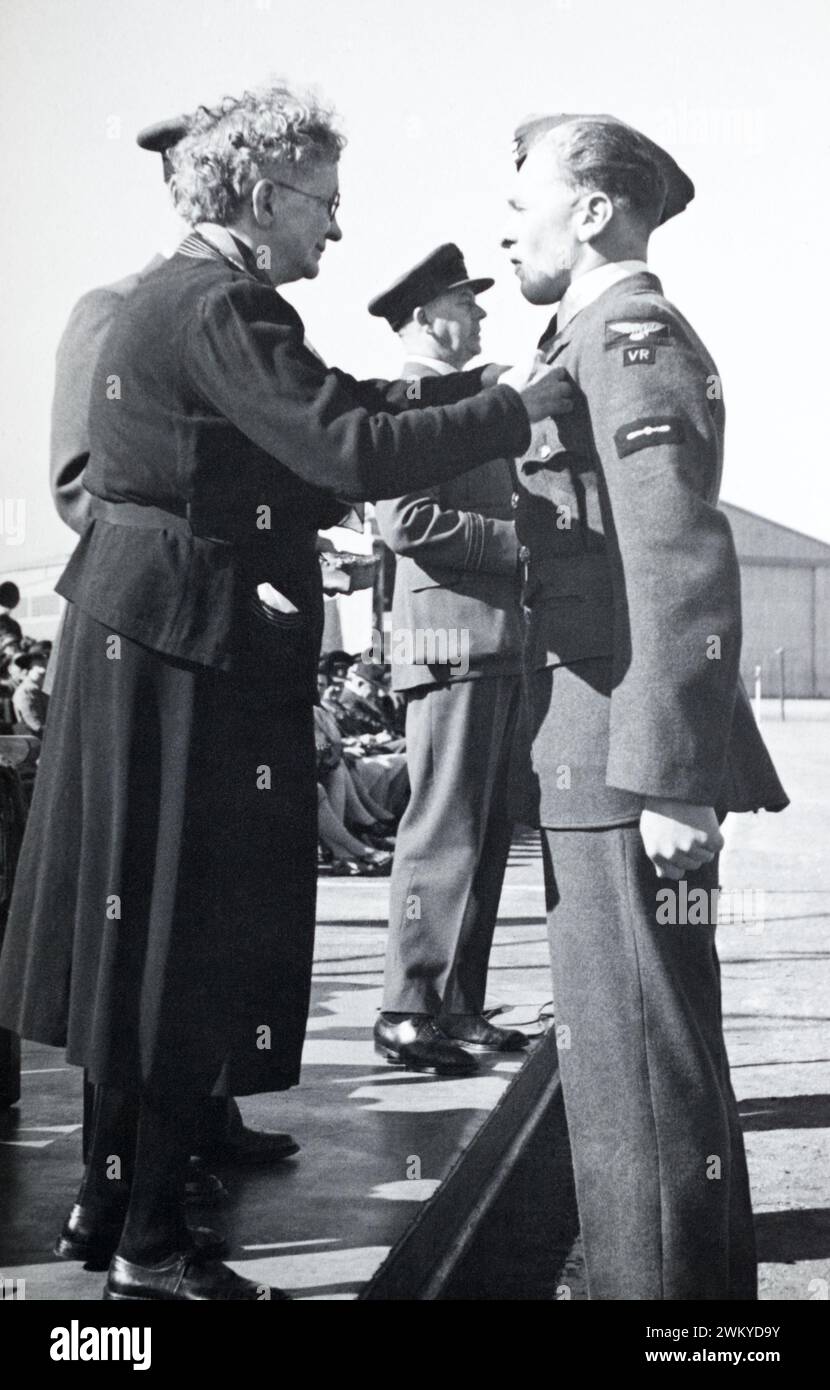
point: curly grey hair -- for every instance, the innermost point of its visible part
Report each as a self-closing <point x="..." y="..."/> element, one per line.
<point x="229" y="147"/>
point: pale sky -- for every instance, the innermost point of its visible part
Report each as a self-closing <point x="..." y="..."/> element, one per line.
<point x="429" y="95"/>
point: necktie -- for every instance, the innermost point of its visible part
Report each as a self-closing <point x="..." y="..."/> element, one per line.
<point x="548" y="336"/>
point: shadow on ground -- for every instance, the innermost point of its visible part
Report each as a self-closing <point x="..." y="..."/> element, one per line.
<point x="785" y="1237"/>
<point x="785" y="1112"/>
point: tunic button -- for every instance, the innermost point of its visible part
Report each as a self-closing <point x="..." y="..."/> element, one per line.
<point x="545" y="451"/>
<point x="514" y="501"/>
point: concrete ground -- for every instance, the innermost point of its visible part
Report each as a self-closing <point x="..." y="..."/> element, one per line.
<point x="377" y="1142"/>
<point x="775" y="959"/>
<point x="776" y="977"/>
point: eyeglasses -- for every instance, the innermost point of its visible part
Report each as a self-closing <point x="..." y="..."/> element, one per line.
<point x="330" y="204"/>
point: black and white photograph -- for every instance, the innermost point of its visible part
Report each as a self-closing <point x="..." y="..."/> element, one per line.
<point x="415" y="668"/>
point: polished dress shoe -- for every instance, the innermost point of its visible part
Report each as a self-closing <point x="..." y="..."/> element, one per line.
<point x="245" y="1147"/>
<point x="477" y="1033"/>
<point x="92" y="1239"/>
<point x="416" y="1043"/>
<point x="204" y="1189"/>
<point x="185" y="1277"/>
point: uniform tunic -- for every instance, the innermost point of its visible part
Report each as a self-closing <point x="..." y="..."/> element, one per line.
<point x="632" y="581"/>
<point x="456" y="577"/>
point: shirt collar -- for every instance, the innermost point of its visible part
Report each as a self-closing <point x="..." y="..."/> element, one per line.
<point x="442" y="368"/>
<point x="588" y="287"/>
<point x="234" y="247"/>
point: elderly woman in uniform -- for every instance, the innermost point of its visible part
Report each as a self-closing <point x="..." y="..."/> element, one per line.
<point x="156" y="932"/>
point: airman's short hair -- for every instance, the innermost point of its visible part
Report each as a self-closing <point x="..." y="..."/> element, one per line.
<point x="609" y="157"/>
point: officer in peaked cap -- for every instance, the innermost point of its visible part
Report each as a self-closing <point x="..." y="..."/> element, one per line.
<point x="457" y="573"/>
<point x="442" y="270"/>
<point x="639" y="734"/>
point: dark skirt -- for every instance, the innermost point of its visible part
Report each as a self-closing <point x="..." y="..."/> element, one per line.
<point x="162" y="923"/>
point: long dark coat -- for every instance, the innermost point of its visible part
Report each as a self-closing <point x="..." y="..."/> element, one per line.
<point x="162" y="924"/>
<point x="163" y="915"/>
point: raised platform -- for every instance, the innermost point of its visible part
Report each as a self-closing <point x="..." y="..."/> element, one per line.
<point x="396" y="1169"/>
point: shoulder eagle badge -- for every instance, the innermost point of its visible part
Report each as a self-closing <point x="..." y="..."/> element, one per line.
<point x="635" y="332"/>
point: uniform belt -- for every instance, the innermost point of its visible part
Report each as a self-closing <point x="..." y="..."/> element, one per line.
<point x="139" y="517"/>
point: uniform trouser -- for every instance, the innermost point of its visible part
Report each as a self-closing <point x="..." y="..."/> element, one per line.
<point x="452" y="846"/>
<point x="658" y="1153"/>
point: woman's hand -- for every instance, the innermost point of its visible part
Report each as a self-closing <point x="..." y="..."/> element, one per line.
<point x="548" y="392"/>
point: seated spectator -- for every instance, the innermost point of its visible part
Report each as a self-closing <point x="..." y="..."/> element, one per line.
<point x="11" y="633"/>
<point x="350" y="825"/>
<point x="40" y="649"/>
<point x="369" y="722"/>
<point x="378" y="763"/>
<point x="11" y="649"/>
<point x="9" y="596"/>
<point x="341" y="853"/>
<point x="333" y="666"/>
<point x="29" y="700"/>
<point x="368" y="705"/>
<point x="353" y="803"/>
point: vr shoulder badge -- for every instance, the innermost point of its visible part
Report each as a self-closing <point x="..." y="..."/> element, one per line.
<point x="639" y="356"/>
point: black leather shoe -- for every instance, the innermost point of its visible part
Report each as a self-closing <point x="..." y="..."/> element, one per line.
<point x="183" y="1278"/>
<point x="245" y="1147"/>
<point x="89" y="1239"/>
<point x="480" y="1035"/>
<point x="204" y="1189"/>
<point x="417" y="1044"/>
